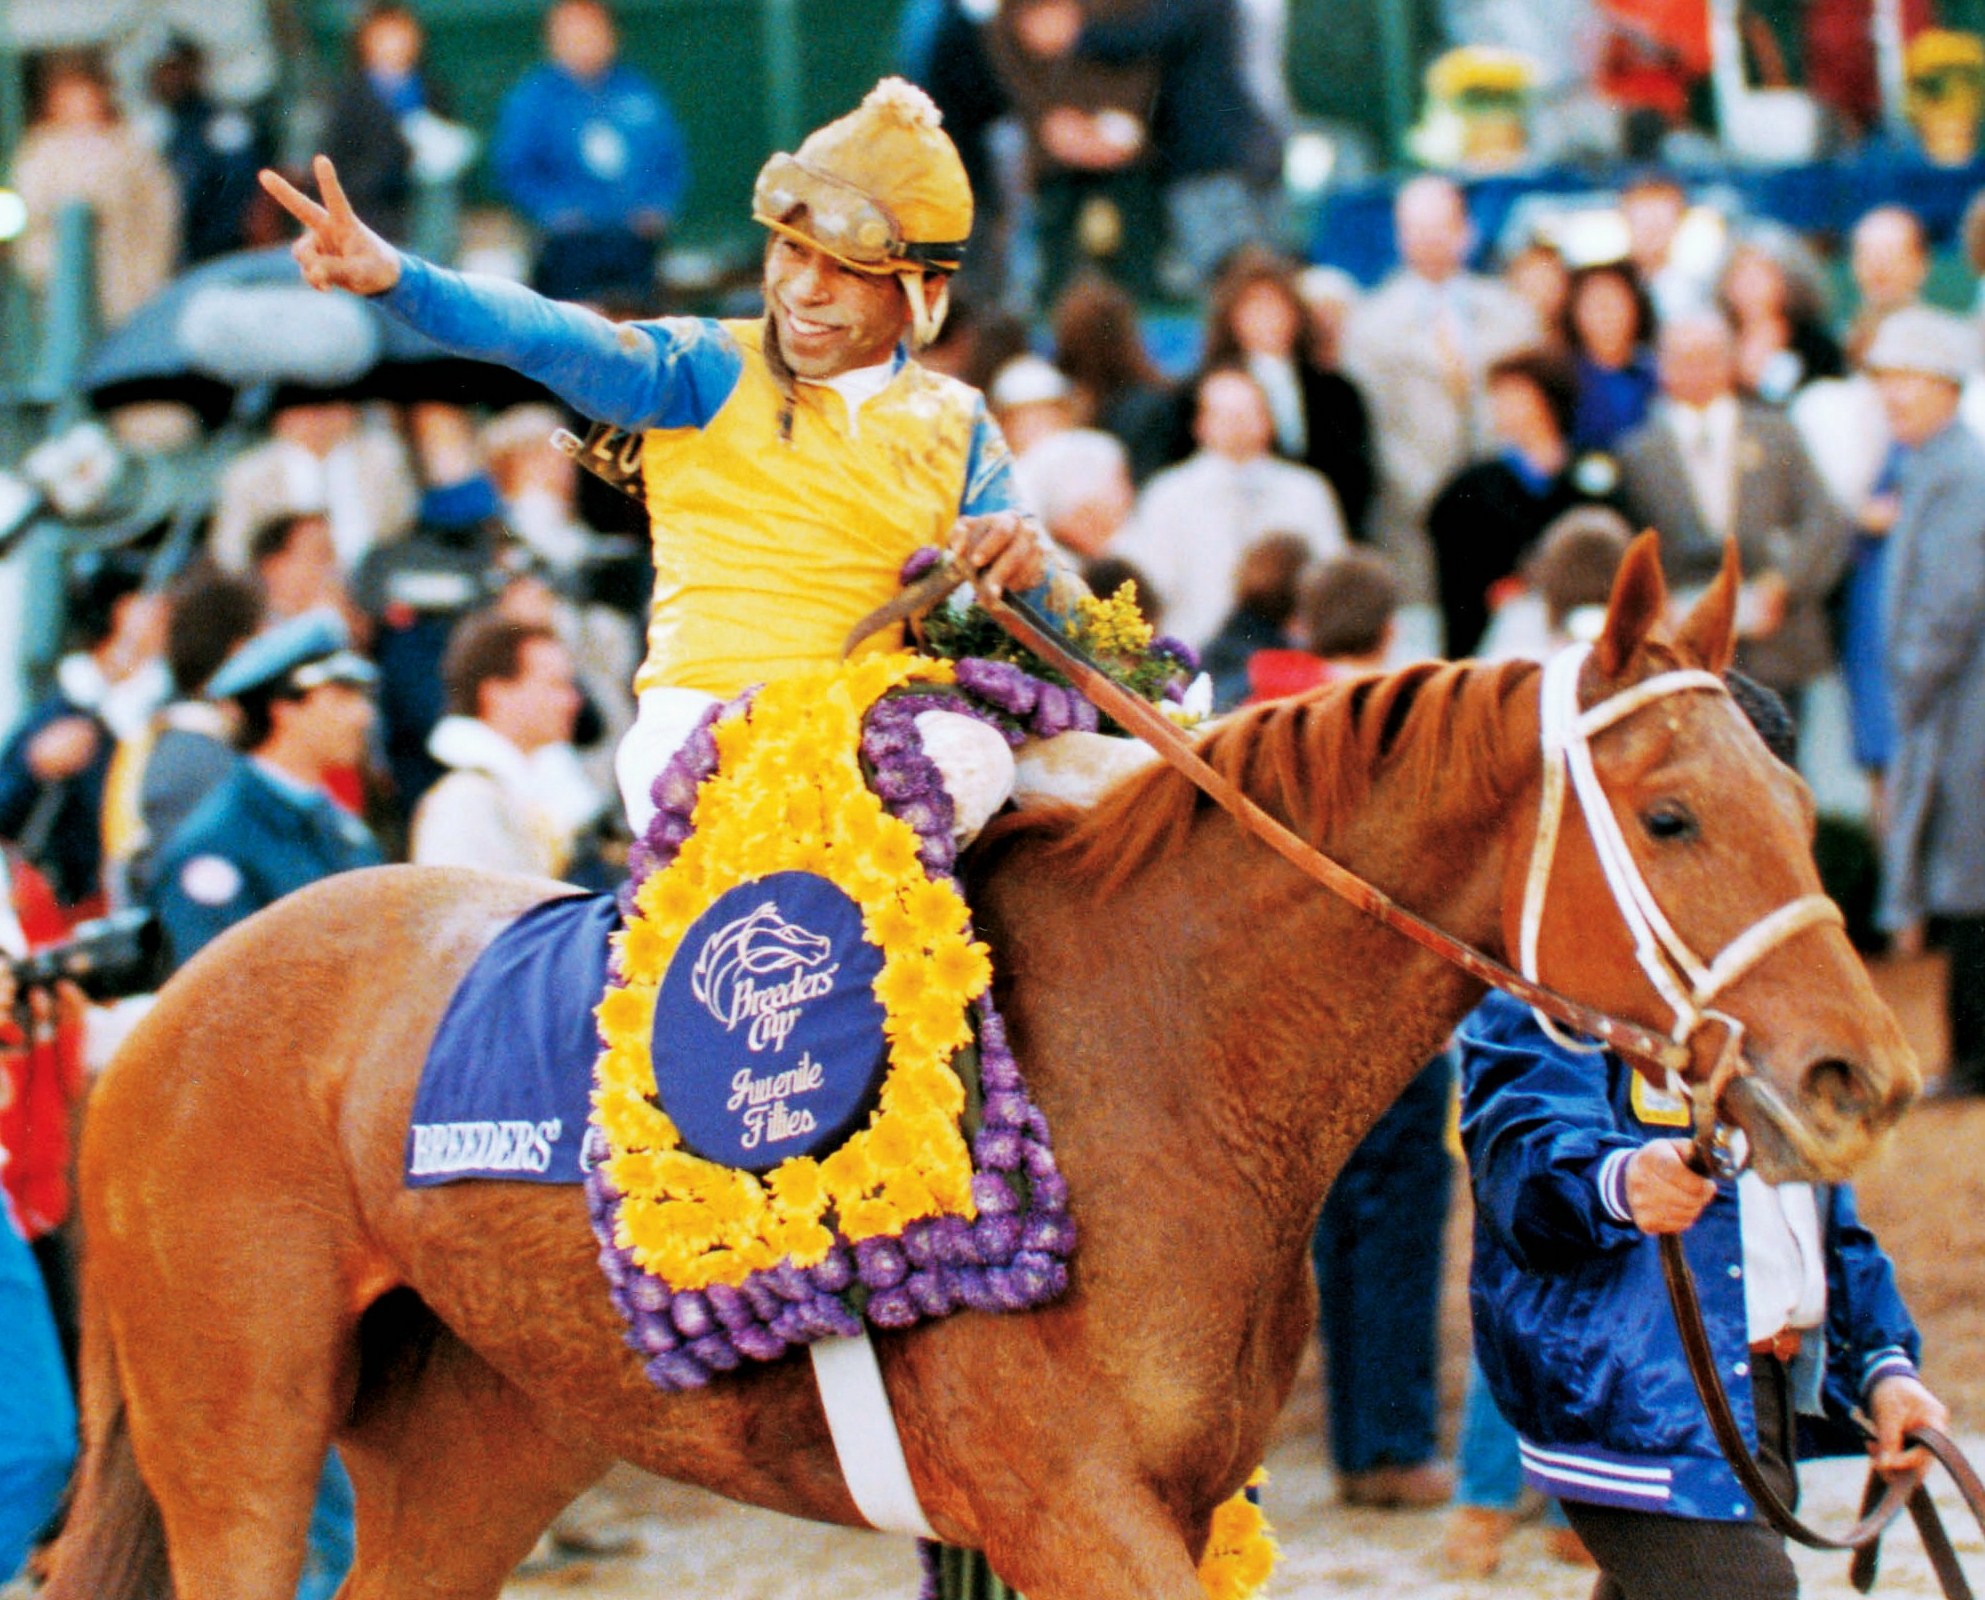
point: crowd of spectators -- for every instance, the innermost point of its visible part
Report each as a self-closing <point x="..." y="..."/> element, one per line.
<point x="1450" y="462"/>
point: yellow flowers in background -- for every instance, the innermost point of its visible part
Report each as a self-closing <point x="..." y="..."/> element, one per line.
<point x="789" y="795"/>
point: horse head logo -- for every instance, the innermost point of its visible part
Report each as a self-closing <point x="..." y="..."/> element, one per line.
<point x="754" y="946"/>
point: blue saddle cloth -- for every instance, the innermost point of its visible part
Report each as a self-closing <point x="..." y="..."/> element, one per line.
<point x="507" y="1087"/>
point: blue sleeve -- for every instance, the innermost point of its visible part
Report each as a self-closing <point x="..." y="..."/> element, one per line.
<point x="989" y="482"/>
<point x="519" y="153"/>
<point x="1538" y="1126"/>
<point x="675" y="373"/>
<point x="1870" y="1334"/>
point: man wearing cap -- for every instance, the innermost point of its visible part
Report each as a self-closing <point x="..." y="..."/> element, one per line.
<point x="1934" y="619"/>
<point x="791" y="463"/>
<point x="271" y="826"/>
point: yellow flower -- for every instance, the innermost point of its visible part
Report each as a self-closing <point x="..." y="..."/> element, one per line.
<point x="1114" y="626"/>
<point x="737" y="1204"/>
<point x="847" y="1174"/>
<point x="910" y="1195"/>
<point x="895" y="930"/>
<point x="797" y="1188"/>
<point x="961" y="969"/>
<point x="935" y="909"/>
<point x="871" y="1219"/>
<point x="890" y="1144"/>
<point x="936" y="1023"/>
<point x="899" y="986"/>
<point x="627" y="1012"/>
<point x="669" y="899"/>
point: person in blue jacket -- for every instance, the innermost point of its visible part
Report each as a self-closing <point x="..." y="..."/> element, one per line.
<point x="587" y="148"/>
<point x="271" y="826"/>
<point x="1577" y="1165"/>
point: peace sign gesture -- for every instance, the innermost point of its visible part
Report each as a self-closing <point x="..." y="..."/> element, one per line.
<point x="336" y="251"/>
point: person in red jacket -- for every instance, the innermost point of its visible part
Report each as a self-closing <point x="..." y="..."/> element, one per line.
<point x="41" y="1081"/>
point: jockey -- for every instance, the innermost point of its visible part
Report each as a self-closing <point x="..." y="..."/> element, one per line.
<point x="791" y="463"/>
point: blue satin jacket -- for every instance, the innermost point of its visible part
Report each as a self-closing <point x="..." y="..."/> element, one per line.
<point x="1572" y="1324"/>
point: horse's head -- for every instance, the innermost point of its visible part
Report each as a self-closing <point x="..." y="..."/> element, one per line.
<point x="1681" y="892"/>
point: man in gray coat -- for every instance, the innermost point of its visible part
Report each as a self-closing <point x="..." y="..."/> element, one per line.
<point x="1707" y="466"/>
<point x="1935" y="620"/>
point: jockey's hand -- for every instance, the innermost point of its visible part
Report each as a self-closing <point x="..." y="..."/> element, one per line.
<point x="1003" y="548"/>
<point x="1899" y="1405"/>
<point x="1664" y="1193"/>
<point x="337" y="251"/>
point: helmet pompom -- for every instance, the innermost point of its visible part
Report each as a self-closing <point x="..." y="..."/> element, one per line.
<point x="903" y="102"/>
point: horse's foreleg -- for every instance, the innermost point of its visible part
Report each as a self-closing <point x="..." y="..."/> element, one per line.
<point x="1103" y="1541"/>
<point x="457" y="1475"/>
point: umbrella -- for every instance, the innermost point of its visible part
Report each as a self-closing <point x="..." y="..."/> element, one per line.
<point x="250" y="319"/>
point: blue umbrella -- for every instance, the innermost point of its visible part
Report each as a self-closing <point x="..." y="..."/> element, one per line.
<point x="249" y="319"/>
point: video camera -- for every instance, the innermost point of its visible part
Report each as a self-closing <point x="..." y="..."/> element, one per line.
<point x="108" y="959"/>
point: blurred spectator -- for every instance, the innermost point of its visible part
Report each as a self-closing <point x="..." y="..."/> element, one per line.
<point x="1078" y="484"/>
<point x="1343" y="623"/>
<point x="1088" y="125"/>
<point x="295" y="561"/>
<point x="1266" y="585"/>
<point x="56" y="763"/>
<point x="1418" y="349"/>
<point x="1655" y="205"/>
<point x="1934" y="852"/>
<point x="1219" y="155"/>
<point x="1653" y="54"/>
<point x="213" y="151"/>
<point x="41" y="1087"/>
<point x="1567" y="584"/>
<point x="385" y="94"/>
<point x="588" y="150"/>
<point x="1107" y="574"/>
<point x="1193" y="521"/>
<point x="977" y="339"/>
<point x="1707" y="467"/>
<point x="1889" y="256"/>
<point x="539" y="487"/>
<point x="1840" y="56"/>
<point x="1772" y="295"/>
<point x="514" y="797"/>
<point x="1259" y="320"/>
<point x="1611" y="324"/>
<point x="1538" y="275"/>
<point x="1097" y="343"/>
<point x="944" y="51"/>
<point x="319" y="457"/>
<point x="159" y="775"/>
<point x="78" y="147"/>
<point x="1032" y="401"/>
<point x="1488" y="518"/>
<point x="37" y="1411"/>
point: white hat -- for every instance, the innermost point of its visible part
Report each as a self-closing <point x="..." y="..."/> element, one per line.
<point x="1918" y="339"/>
<point x="1028" y="381"/>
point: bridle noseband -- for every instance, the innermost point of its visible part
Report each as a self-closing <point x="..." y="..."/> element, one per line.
<point x="1686" y="984"/>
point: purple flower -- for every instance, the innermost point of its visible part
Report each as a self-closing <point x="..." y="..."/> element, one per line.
<point x="835" y="1271"/>
<point x="677" y="1370"/>
<point x="1038" y="1278"/>
<point x="920" y="561"/>
<point x="716" y="1352"/>
<point x="1177" y="650"/>
<point x="892" y="1308"/>
<point x="1083" y="716"/>
<point x="789" y="1282"/>
<point x="1053" y="713"/>
<point x="999" y="1149"/>
<point x="649" y="1293"/>
<point x="930" y="814"/>
<point x="972" y="1287"/>
<point x="1006" y="1108"/>
<point x="931" y="1293"/>
<point x="765" y="1303"/>
<point x="996" y="1238"/>
<point x="999" y="682"/>
<point x="652" y="1334"/>
<point x="731" y="1307"/>
<point x="920" y="1242"/>
<point x="951" y="1239"/>
<point x="1051" y="1233"/>
<point x="993" y="1194"/>
<point x="1050" y="1192"/>
<point x="693" y="1318"/>
<point x="760" y="1344"/>
<point x="880" y="1263"/>
<point x="1040" y="1160"/>
<point x="932" y="1584"/>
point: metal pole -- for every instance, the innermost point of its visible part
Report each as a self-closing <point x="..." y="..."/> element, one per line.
<point x="1885" y="22"/>
<point x="69" y="309"/>
<point x="785" y="110"/>
<point x="1395" y="52"/>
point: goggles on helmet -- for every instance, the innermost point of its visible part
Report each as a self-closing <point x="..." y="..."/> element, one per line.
<point x="843" y="221"/>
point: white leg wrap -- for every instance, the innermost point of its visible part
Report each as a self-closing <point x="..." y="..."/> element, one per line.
<point x="1076" y="768"/>
<point x="975" y="763"/>
<point x="865" y="1436"/>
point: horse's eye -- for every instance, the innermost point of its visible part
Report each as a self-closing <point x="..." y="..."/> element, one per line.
<point x="1669" y="821"/>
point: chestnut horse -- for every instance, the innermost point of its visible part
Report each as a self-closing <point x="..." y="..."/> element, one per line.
<point x="1208" y="1033"/>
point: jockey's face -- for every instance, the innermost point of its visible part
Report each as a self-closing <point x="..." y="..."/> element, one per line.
<point x="829" y="318"/>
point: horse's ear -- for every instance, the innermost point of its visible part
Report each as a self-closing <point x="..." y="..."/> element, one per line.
<point x="1640" y="595"/>
<point x="1709" y="631"/>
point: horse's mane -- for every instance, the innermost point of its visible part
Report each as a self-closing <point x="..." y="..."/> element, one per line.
<point x="1432" y="730"/>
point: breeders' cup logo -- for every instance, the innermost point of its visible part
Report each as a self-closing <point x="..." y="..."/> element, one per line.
<point x="761" y="970"/>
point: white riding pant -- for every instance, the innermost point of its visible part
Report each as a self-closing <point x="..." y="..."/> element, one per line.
<point x="981" y="773"/>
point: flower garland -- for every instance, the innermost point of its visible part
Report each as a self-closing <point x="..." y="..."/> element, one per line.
<point x="709" y="1264"/>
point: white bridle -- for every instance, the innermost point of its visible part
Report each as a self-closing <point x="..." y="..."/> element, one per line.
<point x="1686" y="984"/>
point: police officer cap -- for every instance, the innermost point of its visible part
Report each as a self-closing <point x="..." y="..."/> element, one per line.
<point x="299" y="654"/>
<point x="1919" y="339"/>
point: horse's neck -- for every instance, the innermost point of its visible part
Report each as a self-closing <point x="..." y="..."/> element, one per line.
<point x="1260" y="1010"/>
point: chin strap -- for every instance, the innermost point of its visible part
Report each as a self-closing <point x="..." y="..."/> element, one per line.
<point x="926" y="319"/>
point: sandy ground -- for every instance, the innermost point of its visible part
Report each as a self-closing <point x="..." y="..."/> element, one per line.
<point x="1925" y="1198"/>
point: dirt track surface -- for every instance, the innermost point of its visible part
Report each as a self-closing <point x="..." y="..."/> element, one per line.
<point x="1925" y="1198"/>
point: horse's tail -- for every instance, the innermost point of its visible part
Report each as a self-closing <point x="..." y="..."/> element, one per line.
<point x="112" y="1545"/>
